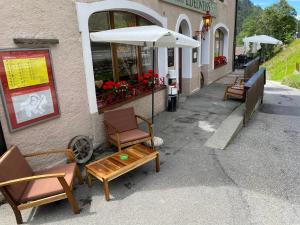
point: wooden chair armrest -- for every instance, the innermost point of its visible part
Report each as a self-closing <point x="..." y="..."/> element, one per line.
<point x="68" y="152"/>
<point x="107" y="124"/>
<point x="148" y="123"/>
<point x="26" y="179"/>
<point x="144" y="119"/>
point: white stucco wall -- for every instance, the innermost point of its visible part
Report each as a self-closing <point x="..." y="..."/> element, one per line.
<point x="58" y="19"/>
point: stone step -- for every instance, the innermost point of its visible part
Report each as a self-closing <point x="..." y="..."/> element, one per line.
<point x="227" y="130"/>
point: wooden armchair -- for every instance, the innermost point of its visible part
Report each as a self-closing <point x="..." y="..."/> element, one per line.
<point x="236" y="89"/>
<point x="122" y="128"/>
<point x="23" y="188"/>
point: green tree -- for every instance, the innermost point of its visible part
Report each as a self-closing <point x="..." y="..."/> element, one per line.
<point x="249" y="26"/>
<point x="245" y="8"/>
<point x="279" y="21"/>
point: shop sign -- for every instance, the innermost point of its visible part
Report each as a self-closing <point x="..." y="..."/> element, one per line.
<point x="196" y="5"/>
<point x="27" y="87"/>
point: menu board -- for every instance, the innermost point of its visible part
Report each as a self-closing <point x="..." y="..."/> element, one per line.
<point x="27" y="86"/>
<point x="25" y="72"/>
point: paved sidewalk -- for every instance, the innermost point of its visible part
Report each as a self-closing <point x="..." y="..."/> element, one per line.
<point x="254" y="181"/>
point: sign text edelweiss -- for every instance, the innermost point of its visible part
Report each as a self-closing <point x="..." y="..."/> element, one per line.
<point x="196" y="5"/>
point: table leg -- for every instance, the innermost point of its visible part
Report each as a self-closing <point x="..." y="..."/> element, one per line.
<point x="157" y="163"/>
<point x="106" y="190"/>
<point x="89" y="179"/>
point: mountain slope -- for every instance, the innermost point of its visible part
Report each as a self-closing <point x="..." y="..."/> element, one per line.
<point x="247" y="15"/>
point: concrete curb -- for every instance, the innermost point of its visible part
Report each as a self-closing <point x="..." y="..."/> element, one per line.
<point x="227" y="130"/>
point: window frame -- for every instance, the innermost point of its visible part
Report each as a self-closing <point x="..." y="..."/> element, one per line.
<point x="221" y="43"/>
<point x="111" y="24"/>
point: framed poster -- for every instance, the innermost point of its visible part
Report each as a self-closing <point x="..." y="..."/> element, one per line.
<point x="27" y="87"/>
<point x="170" y="57"/>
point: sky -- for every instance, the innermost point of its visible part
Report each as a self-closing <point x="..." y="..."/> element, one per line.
<point x="266" y="3"/>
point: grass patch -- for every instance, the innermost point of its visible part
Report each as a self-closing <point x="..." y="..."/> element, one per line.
<point x="282" y="67"/>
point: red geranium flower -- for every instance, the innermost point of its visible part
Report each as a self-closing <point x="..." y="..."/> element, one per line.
<point x="140" y="78"/>
<point x="118" y="85"/>
<point x="151" y="71"/>
<point x="108" y="85"/>
<point x="147" y="76"/>
<point x="156" y="75"/>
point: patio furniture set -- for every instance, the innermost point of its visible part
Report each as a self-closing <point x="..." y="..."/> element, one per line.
<point x="24" y="188"/>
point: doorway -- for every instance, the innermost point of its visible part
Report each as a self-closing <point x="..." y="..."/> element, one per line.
<point x="183" y="56"/>
<point x="3" y="147"/>
<point x="180" y="66"/>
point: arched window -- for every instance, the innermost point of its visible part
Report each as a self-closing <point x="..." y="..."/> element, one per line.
<point x="221" y="47"/>
<point x="219" y="43"/>
<point x="118" y="62"/>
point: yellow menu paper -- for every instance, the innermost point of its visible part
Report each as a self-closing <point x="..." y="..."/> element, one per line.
<point x="26" y="72"/>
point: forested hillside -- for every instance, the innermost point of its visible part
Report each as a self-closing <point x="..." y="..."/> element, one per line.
<point x="278" y="20"/>
<point x="245" y="9"/>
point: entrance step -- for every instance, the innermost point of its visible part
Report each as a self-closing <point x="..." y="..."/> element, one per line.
<point x="227" y="130"/>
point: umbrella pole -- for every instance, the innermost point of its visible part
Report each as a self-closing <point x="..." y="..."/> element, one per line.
<point x="153" y="67"/>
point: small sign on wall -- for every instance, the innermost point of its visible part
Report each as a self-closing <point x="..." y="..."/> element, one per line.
<point x="170" y="57"/>
<point x="27" y="86"/>
<point x="195" y="55"/>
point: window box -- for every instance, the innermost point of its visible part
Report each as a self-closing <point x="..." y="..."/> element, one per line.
<point x="220" y="61"/>
<point x="115" y="94"/>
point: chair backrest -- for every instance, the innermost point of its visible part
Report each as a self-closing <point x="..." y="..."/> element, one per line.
<point x="13" y="165"/>
<point x="122" y="119"/>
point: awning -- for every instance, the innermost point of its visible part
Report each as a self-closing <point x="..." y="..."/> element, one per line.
<point x="150" y="36"/>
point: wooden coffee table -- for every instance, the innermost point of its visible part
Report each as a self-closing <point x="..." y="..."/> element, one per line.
<point x="111" y="167"/>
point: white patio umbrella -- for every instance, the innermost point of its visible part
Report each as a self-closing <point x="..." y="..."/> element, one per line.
<point x="257" y="40"/>
<point x="147" y="36"/>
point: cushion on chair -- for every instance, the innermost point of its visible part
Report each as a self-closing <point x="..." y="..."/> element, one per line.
<point x="13" y="165"/>
<point x="131" y="135"/>
<point x="42" y="188"/>
<point x="122" y="119"/>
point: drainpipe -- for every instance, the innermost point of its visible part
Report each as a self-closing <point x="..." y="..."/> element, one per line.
<point x="235" y="31"/>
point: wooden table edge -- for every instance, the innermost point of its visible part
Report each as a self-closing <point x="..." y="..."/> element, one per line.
<point x="125" y="169"/>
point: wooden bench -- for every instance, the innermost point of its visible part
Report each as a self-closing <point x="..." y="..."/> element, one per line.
<point x="111" y="167"/>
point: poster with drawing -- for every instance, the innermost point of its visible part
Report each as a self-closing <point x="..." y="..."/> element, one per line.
<point x="27" y="86"/>
<point x="32" y="105"/>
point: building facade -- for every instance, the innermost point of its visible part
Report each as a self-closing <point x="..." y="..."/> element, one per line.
<point x="82" y="68"/>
